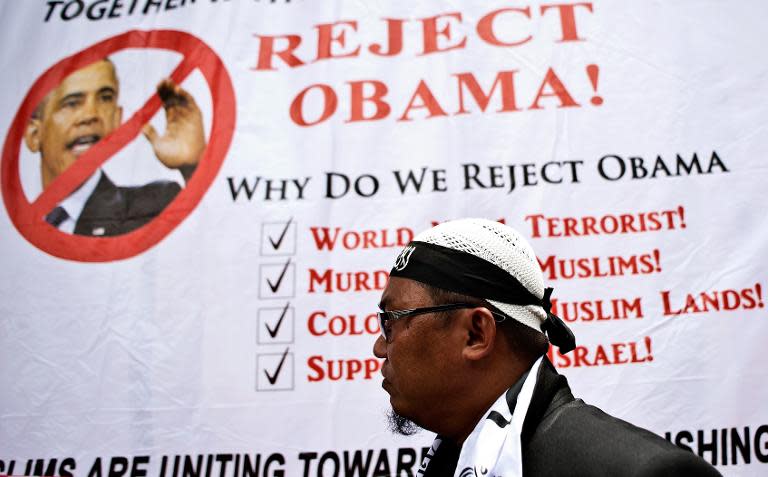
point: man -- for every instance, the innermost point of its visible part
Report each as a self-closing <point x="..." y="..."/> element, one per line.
<point x="82" y="110"/>
<point x="464" y="336"/>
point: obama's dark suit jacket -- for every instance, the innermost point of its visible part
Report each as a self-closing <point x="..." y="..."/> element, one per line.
<point x="114" y="210"/>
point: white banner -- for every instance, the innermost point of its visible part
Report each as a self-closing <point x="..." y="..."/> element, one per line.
<point x="206" y="305"/>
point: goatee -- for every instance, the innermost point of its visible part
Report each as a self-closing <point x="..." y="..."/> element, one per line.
<point x="401" y="425"/>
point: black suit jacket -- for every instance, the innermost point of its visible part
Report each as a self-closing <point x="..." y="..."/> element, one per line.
<point x="112" y="210"/>
<point x="563" y="436"/>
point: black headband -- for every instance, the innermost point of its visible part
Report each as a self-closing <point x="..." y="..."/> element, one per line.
<point x="464" y="273"/>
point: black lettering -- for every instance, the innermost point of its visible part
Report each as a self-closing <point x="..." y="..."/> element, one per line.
<point x="192" y="469"/>
<point x="475" y="170"/>
<point x="438" y="180"/>
<point x="300" y="186"/>
<point x="546" y="176"/>
<point x="251" y="468"/>
<point x="704" y="446"/>
<point x="373" y="188"/>
<point x="682" y="166"/>
<point x="496" y="177"/>
<point x="511" y="178"/>
<point x="529" y="174"/>
<point x="622" y="168"/>
<point x="574" y="172"/>
<point x="243" y="185"/>
<point x="638" y="166"/>
<point x="406" y="459"/>
<point x="68" y="16"/>
<point x="382" y="465"/>
<point x="281" y="187"/>
<point x="138" y="468"/>
<point x="52" y="5"/>
<point x="715" y="161"/>
<point x="115" y="6"/>
<point x="761" y="443"/>
<point x="329" y="181"/>
<point x="152" y="3"/>
<point x="355" y="466"/>
<point x="402" y="183"/>
<point x="118" y="466"/>
<point x="307" y="458"/>
<point x="683" y="439"/>
<point x="89" y="13"/>
<point x="660" y="165"/>
<point x="223" y="459"/>
<point x="742" y="445"/>
<point x="329" y="456"/>
<point x="275" y="459"/>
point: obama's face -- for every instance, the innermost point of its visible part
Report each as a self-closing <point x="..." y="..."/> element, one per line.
<point x="73" y="117"/>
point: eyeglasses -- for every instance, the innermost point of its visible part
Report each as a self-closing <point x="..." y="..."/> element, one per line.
<point x="386" y="317"/>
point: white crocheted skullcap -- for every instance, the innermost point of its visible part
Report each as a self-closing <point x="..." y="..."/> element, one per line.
<point x="502" y="246"/>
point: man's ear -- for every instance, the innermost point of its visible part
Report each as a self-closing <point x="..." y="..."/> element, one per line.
<point x="481" y="334"/>
<point x="32" y="135"/>
<point x="119" y="114"/>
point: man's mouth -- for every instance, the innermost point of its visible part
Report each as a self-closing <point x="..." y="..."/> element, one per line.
<point x="82" y="143"/>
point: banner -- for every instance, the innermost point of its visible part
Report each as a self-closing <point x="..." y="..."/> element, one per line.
<point x="202" y="200"/>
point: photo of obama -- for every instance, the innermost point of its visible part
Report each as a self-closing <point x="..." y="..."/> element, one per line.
<point x="82" y="110"/>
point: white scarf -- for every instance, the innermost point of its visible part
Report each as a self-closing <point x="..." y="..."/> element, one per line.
<point x="491" y="450"/>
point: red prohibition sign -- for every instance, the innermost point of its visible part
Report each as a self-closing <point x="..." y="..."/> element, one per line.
<point x="28" y="217"/>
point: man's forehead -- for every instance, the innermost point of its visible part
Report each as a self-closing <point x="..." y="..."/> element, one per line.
<point x="97" y="75"/>
<point x="403" y="292"/>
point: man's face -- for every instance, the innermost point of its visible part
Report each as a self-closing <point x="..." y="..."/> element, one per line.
<point x="75" y="116"/>
<point x="421" y="356"/>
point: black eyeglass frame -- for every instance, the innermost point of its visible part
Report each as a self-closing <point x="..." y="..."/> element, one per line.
<point x="392" y="315"/>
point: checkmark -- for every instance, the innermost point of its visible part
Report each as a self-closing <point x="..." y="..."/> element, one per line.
<point x="272" y="378"/>
<point x="276" y="245"/>
<point x="276" y="285"/>
<point x="273" y="332"/>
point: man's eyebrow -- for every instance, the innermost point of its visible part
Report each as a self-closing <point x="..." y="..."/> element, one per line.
<point x="107" y="89"/>
<point x="78" y="95"/>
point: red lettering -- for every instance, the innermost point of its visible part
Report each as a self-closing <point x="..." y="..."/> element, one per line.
<point x="714" y="300"/>
<point x="394" y="36"/>
<point x="330" y="281"/>
<point x="321" y="280"/>
<point x="618" y="349"/>
<point x="337" y="369"/>
<point x="503" y="78"/>
<point x="534" y="219"/>
<point x="610" y="354"/>
<point x="486" y="32"/>
<point x="427" y="100"/>
<point x="326" y="39"/>
<point x="567" y="19"/>
<point x="432" y="33"/>
<point x="313" y="330"/>
<point x="330" y="102"/>
<point x="358" y="101"/>
<point x="267" y="51"/>
<point x="323" y="239"/>
<point x="556" y="88"/>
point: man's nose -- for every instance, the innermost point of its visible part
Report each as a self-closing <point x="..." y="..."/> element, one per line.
<point x="380" y="347"/>
<point x="88" y="112"/>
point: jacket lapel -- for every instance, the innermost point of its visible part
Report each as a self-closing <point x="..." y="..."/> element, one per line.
<point x="103" y="211"/>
